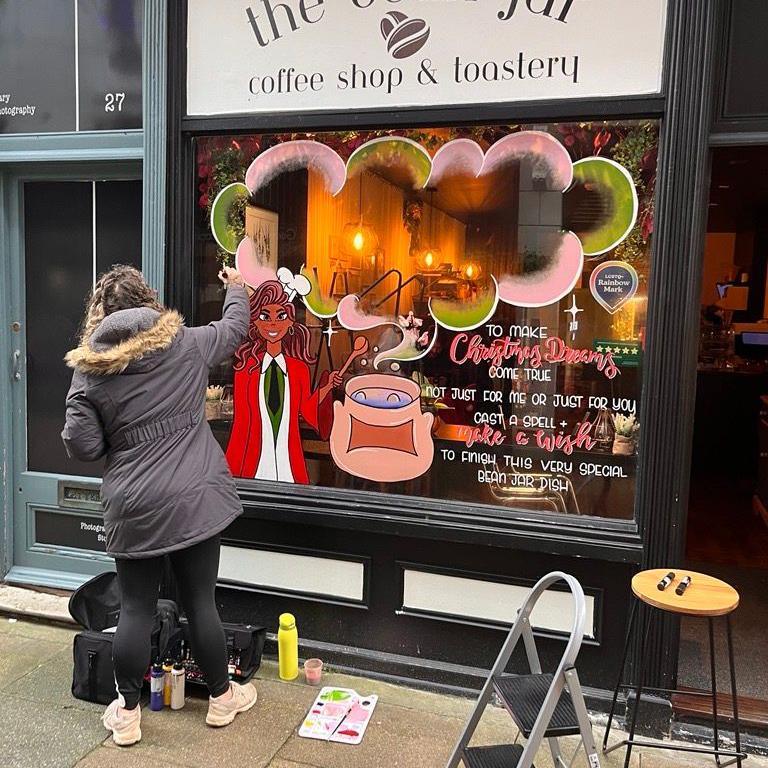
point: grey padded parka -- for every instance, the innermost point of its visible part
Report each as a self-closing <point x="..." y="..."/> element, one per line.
<point x="138" y="398"/>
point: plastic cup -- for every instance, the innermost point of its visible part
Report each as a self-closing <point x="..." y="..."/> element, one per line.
<point x="313" y="671"/>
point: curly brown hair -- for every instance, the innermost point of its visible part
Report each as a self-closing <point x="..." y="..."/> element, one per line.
<point x="123" y="287"/>
<point x="296" y="344"/>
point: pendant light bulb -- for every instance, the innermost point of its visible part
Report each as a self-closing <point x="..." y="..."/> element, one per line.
<point x="471" y="271"/>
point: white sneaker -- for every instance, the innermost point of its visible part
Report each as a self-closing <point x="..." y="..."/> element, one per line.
<point x="125" y="724"/>
<point x="222" y="709"/>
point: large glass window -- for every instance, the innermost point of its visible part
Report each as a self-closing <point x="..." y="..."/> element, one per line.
<point x="73" y="231"/>
<point x="448" y="313"/>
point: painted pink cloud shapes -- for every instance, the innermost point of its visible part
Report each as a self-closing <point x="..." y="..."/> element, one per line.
<point x="551" y="164"/>
<point x="464" y="156"/>
<point x="293" y="156"/>
<point x="247" y="263"/>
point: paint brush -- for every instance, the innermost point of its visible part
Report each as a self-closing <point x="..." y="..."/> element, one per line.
<point x="351" y="703"/>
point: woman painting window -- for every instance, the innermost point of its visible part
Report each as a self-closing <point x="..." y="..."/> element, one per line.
<point x="272" y="388"/>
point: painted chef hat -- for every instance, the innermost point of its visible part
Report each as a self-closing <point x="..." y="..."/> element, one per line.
<point x="293" y="284"/>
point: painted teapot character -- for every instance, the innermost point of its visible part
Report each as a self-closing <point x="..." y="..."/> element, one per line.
<point x="379" y="432"/>
<point x="272" y="388"/>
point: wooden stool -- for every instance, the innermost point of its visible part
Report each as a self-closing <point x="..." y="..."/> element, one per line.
<point x="706" y="597"/>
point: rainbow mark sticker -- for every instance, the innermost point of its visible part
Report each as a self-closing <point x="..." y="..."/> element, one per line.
<point x="613" y="284"/>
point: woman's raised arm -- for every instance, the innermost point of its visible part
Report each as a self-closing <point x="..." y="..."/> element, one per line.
<point x="219" y="340"/>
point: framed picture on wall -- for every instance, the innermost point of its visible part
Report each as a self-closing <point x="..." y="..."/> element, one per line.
<point x="261" y="225"/>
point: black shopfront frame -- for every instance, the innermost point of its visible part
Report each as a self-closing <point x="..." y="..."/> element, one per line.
<point x="603" y="553"/>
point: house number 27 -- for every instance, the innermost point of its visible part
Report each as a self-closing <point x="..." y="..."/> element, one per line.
<point x="113" y="101"/>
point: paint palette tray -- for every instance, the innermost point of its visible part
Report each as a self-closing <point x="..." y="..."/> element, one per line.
<point x="340" y="715"/>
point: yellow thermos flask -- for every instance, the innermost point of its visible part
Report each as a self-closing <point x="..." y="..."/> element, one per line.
<point x="288" y="647"/>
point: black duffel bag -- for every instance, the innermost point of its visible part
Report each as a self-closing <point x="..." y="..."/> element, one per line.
<point x="93" y="676"/>
<point x="245" y="645"/>
<point x="96" y="607"/>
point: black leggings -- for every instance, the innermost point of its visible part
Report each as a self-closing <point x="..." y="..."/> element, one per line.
<point x="195" y="569"/>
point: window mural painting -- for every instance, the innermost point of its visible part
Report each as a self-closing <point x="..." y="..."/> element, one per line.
<point x="452" y="314"/>
<point x="272" y="388"/>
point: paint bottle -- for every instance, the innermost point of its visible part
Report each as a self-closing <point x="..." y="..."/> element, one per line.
<point x="683" y="585"/>
<point x="157" y="677"/>
<point x="288" y="647"/>
<point x="177" y="686"/>
<point x="167" y="669"/>
<point x="666" y="581"/>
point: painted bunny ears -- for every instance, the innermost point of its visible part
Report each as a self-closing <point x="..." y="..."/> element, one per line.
<point x="560" y="252"/>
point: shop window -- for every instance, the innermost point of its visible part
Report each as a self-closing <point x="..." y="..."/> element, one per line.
<point x="481" y="290"/>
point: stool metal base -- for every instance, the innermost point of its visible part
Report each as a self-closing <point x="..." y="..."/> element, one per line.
<point x="736" y="755"/>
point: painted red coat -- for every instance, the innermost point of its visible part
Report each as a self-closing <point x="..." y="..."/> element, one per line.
<point x="244" y="448"/>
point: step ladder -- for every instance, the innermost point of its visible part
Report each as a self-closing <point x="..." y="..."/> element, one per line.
<point x="543" y="705"/>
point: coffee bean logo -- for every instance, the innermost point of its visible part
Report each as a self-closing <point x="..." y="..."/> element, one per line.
<point x="404" y="36"/>
<point x="390" y="21"/>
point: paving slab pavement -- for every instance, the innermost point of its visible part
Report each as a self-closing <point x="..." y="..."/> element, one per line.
<point x="32" y="736"/>
<point x="21" y="655"/>
<point x="254" y="739"/>
<point x="51" y="605"/>
<point x="43" y="726"/>
<point x="103" y="757"/>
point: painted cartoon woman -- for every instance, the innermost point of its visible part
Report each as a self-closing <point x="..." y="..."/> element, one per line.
<point x="272" y="389"/>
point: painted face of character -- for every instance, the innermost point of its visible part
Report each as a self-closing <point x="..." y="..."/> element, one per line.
<point x="273" y="322"/>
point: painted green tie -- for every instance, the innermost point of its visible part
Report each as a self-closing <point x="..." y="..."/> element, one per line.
<point x="275" y="387"/>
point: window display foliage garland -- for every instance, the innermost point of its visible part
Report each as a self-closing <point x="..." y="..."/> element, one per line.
<point x="223" y="161"/>
<point x="637" y="152"/>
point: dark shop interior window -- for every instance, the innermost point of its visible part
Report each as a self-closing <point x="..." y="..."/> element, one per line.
<point x="118" y="224"/>
<point x="37" y="62"/>
<point x="110" y="64"/>
<point x="745" y="94"/>
<point x="63" y="254"/>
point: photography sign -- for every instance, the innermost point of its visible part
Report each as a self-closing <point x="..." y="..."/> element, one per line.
<point x="270" y="55"/>
<point x="70" y="65"/>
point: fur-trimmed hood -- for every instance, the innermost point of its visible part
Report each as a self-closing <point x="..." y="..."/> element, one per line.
<point x="123" y="338"/>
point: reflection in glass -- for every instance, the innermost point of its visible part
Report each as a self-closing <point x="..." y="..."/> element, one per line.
<point x="74" y="230"/>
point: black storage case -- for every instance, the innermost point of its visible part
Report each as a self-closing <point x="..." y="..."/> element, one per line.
<point x="96" y="607"/>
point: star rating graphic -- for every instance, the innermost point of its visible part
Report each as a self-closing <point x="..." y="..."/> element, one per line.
<point x="329" y="331"/>
<point x="618" y="349"/>
<point x="573" y="311"/>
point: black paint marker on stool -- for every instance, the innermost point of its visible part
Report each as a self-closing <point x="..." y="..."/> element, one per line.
<point x="666" y="581"/>
<point x="683" y="585"/>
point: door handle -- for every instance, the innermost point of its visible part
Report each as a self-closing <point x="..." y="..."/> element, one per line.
<point x="17" y="365"/>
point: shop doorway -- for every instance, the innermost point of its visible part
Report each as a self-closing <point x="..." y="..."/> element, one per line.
<point x="66" y="228"/>
<point x="727" y="530"/>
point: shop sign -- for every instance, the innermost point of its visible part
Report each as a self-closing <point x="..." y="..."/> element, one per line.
<point x="70" y="529"/>
<point x="70" y="66"/>
<point x="267" y="56"/>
